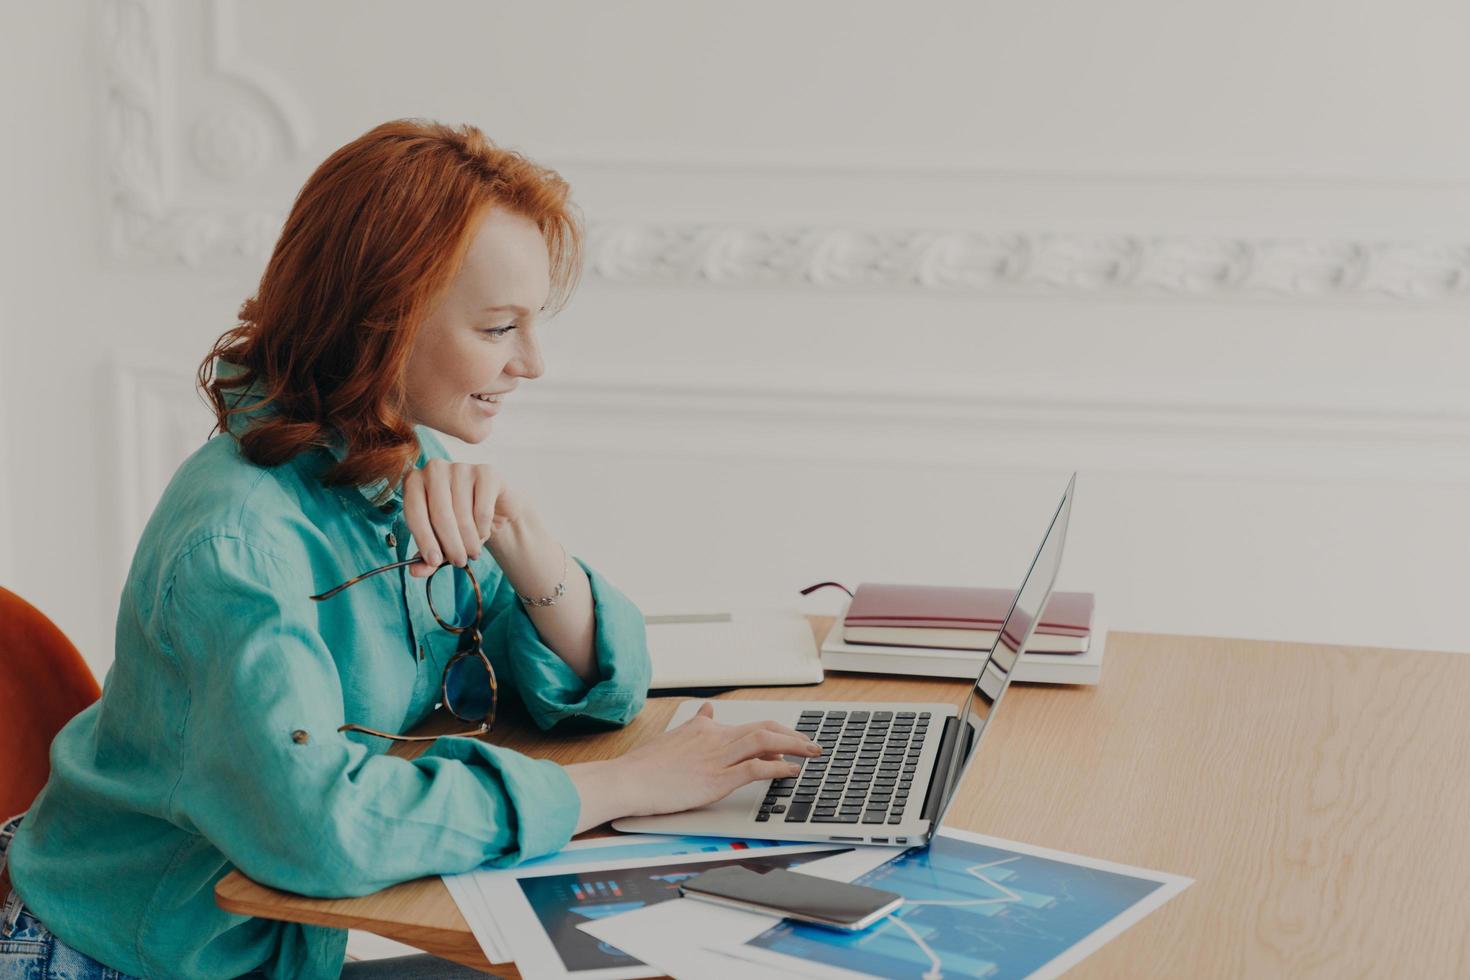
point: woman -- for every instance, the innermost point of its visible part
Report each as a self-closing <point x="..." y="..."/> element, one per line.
<point x="245" y="720"/>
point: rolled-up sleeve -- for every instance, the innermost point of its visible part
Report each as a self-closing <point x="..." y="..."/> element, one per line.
<point x="266" y="777"/>
<point x="551" y="690"/>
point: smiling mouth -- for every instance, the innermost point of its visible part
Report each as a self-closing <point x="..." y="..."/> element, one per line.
<point x="491" y="399"/>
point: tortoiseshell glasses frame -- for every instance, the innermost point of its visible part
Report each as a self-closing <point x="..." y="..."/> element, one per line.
<point x="476" y="649"/>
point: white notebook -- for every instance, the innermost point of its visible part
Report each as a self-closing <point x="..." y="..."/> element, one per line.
<point x="739" y="647"/>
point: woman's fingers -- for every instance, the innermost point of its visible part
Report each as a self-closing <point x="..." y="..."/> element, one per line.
<point x="440" y="493"/>
<point x="451" y="510"/>
<point x="770" y="726"/>
<point x="462" y="492"/>
<point x="753" y="769"/>
<point x="416" y="515"/>
<point x="486" y="492"/>
<point x="756" y="744"/>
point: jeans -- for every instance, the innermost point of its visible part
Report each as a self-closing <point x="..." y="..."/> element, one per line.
<point x="29" y="952"/>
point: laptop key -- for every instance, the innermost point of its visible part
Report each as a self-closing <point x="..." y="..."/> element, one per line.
<point x="798" y="812"/>
<point x="873" y="816"/>
<point x="837" y="818"/>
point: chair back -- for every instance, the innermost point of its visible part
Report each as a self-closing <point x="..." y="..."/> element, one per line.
<point x="44" y="682"/>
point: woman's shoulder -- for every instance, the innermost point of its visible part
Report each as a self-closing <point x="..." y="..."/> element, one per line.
<point x="218" y="495"/>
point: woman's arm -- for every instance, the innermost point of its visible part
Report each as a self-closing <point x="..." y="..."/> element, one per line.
<point x="267" y="778"/>
<point x="695" y="764"/>
<point x="536" y="564"/>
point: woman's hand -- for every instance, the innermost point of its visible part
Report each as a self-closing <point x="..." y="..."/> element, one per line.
<point x="452" y="509"/>
<point x="695" y="764"/>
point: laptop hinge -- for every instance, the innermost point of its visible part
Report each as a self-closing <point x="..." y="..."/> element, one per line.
<point x="942" y="763"/>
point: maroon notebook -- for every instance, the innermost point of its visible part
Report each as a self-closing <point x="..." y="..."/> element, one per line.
<point x="941" y="607"/>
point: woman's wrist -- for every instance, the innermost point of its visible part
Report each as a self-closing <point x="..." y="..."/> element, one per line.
<point x="530" y="557"/>
<point x="517" y="533"/>
<point x="600" y="788"/>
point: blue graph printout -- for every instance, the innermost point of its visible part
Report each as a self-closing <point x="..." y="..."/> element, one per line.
<point x="970" y="910"/>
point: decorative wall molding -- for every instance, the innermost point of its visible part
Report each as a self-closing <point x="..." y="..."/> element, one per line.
<point x="888" y="163"/>
<point x="1028" y="263"/>
<point x="160" y="420"/>
<point x="260" y="122"/>
<point x="1014" y="430"/>
<point x="257" y="123"/>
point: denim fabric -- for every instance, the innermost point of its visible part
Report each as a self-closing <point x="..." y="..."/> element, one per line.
<point x="28" y="951"/>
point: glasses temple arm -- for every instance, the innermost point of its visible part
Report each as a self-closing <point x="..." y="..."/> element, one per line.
<point x="353" y="581"/>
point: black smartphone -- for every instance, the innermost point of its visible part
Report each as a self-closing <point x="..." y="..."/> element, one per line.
<point x="806" y="898"/>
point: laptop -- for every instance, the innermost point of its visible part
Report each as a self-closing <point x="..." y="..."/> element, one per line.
<point x="888" y="771"/>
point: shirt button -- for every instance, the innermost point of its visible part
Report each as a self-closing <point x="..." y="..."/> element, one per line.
<point x="300" y="737"/>
<point x="392" y="541"/>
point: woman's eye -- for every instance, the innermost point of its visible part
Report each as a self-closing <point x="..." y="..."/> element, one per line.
<point x="498" y="331"/>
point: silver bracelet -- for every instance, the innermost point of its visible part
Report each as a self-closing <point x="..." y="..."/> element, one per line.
<point x="561" y="589"/>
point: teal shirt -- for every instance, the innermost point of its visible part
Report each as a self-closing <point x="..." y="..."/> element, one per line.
<point x="192" y="763"/>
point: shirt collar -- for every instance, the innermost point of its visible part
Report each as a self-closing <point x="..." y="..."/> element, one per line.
<point x="381" y="502"/>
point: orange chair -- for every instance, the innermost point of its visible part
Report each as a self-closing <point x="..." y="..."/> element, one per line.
<point x="44" y="682"/>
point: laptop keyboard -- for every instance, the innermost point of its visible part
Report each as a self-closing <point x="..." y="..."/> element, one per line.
<point x="864" y="774"/>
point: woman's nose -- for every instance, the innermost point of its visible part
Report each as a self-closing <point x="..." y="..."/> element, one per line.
<point x="528" y="362"/>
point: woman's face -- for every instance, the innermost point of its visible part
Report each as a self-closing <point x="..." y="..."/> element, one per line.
<point x="480" y="341"/>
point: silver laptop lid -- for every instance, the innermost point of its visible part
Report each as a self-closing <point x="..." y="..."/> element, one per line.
<point x="1015" y="632"/>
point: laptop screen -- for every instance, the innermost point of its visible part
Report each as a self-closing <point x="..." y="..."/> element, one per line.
<point x="1015" y="632"/>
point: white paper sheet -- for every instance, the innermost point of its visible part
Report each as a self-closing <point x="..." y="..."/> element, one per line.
<point x="684" y="938"/>
<point x="477" y="914"/>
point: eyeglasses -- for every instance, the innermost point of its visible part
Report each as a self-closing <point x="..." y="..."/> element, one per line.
<point x="463" y="688"/>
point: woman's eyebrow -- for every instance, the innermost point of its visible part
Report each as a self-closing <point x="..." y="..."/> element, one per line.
<point x="513" y="307"/>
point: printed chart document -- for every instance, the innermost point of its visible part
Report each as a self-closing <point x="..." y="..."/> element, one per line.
<point x="470" y="890"/>
<point x="975" y="906"/>
<point x="529" y="913"/>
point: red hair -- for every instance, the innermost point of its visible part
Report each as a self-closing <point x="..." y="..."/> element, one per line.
<point x="374" y="237"/>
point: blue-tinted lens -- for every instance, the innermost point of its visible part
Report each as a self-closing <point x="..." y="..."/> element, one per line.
<point x="469" y="688"/>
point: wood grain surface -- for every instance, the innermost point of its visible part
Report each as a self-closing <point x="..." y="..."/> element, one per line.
<point x="1319" y="796"/>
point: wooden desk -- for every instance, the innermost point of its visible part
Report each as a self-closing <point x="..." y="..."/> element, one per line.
<point x="1319" y="796"/>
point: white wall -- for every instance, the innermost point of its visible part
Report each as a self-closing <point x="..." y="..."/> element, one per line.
<point x="866" y="281"/>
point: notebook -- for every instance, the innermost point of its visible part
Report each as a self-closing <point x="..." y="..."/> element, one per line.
<point x="1035" y="668"/>
<point x="959" y="618"/>
<point x="737" y="647"/>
